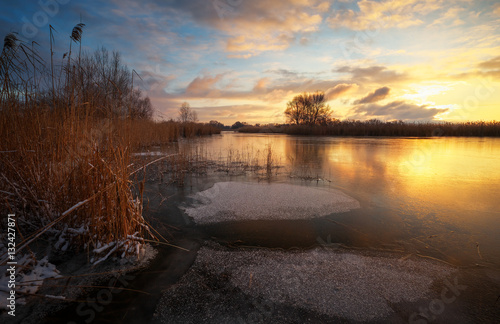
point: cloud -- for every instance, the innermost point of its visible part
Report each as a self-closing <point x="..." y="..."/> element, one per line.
<point x="490" y="68"/>
<point x="376" y="15"/>
<point x="240" y="56"/>
<point x="203" y="86"/>
<point x="304" y="41"/>
<point x="496" y="9"/>
<point x="154" y="82"/>
<point x="377" y="95"/>
<point x="491" y="64"/>
<point x="284" y="73"/>
<point x="399" y="110"/>
<point x="261" y="85"/>
<point x="259" y="26"/>
<point x="486" y="69"/>
<point x="277" y="95"/>
<point x="373" y="74"/>
<point x="251" y="46"/>
<point x="339" y="90"/>
<point x="249" y="27"/>
<point x="450" y="18"/>
<point x="249" y="113"/>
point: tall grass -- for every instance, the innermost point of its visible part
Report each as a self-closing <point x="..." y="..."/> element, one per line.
<point x="68" y="131"/>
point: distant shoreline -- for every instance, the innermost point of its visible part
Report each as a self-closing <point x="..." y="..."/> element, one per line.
<point x="383" y="129"/>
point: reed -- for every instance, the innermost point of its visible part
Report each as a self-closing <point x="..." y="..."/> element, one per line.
<point x="68" y="133"/>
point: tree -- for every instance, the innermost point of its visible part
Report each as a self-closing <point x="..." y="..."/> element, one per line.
<point x="308" y="109"/>
<point x="216" y="124"/>
<point x="238" y="125"/>
<point x="139" y="107"/>
<point x="186" y="114"/>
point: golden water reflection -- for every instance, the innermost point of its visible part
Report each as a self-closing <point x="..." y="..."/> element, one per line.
<point x="442" y="189"/>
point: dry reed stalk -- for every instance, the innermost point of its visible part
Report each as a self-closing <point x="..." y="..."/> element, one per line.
<point x="65" y="153"/>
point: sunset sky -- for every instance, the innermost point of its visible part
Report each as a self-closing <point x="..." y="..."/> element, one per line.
<point x="242" y="60"/>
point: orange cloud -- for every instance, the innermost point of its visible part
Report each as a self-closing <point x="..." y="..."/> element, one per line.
<point x="261" y="85"/>
<point x="270" y="26"/>
<point x="339" y="90"/>
<point x="202" y="86"/>
<point x="277" y="95"/>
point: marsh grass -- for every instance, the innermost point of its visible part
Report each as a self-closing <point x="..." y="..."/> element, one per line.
<point x="68" y="133"/>
<point x="194" y="159"/>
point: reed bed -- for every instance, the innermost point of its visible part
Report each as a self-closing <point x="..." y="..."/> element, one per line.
<point x="193" y="158"/>
<point x="68" y="129"/>
<point x="379" y="128"/>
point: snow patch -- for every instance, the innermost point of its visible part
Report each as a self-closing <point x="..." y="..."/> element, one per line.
<point x="28" y="281"/>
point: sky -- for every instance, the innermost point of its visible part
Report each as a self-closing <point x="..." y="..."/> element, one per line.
<point x="243" y="60"/>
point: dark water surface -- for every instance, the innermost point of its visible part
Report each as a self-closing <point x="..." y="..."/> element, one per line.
<point x="433" y="197"/>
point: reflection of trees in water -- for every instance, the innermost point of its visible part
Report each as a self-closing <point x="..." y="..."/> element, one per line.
<point x="306" y="158"/>
<point x="352" y="162"/>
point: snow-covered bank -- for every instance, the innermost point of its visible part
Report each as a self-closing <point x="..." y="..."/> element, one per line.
<point x="235" y="201"/>
<point x="323" y="282"/>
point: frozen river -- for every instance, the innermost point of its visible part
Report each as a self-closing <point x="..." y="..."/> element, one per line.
<point x="399" y="230"/>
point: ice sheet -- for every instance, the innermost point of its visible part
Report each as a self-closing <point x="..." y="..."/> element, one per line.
<point x="236" y="201"/>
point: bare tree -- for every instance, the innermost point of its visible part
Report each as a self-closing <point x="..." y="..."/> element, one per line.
<point x="186" y="114"/>
<point x="308" y="109"/>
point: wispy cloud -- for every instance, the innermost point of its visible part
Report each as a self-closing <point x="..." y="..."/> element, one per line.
<point x="450" y="18"/>
<point x="384" y="14"/>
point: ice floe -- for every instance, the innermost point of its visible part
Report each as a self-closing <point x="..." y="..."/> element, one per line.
<point x="235" y="201"/>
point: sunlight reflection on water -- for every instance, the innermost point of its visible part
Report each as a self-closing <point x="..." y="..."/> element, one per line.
<point x="443" y="191"/>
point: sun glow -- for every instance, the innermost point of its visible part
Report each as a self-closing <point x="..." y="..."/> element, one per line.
<point x="421" y="94"/>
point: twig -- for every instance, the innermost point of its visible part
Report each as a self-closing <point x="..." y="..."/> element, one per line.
<point x="152" y="162"/>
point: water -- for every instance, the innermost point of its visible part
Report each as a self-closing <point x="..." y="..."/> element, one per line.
<point x="438" y="196"/>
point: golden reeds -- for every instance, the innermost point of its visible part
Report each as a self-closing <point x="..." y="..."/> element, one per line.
<point x="67" y="137"/>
